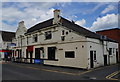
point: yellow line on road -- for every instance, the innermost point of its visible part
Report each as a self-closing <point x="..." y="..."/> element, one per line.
<point x="52" y="70"/>
<point x="112" y="75"/>
<point x="57" y="70"/>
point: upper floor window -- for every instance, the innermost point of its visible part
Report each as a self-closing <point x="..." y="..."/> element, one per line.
<point x="113" y="50"/>
<point x="48" y="35"/>
<point x="63" y="32"/>
<point x="27" y="40"/>
<point x="110" y="51"/>
<point x="35" y="38"/>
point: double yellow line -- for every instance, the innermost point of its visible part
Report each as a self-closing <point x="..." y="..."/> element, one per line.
<point x="112" y="75"/>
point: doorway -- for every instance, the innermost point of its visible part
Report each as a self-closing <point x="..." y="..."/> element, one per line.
<point x="117" y="60"/>
<point x="31" y="56"/>
<point x="37" y="53"/>
<point x="91" y="60"/>
<point x="51" y="53"/>
<point x="105" y="60"/>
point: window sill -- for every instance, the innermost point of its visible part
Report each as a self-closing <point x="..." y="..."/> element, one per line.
<point x="44" y="59"/>
<point x="50" y="59"/>
<point x="34" y="42"/>
<point x="47" y="39"/>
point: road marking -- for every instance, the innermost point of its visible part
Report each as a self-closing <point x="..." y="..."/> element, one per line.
<point x="52" y="70"/>
<point x="112" y="75"/>
<point x="59" y="71"/>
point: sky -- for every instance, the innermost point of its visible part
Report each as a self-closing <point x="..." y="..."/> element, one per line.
<point x="93" y="16"/>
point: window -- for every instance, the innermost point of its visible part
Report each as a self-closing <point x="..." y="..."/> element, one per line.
<point x="63" y="32"/>
<point x="110" y="51"/>
<point x="69" y="54"/>
<point x="48" y="35"/>
<point x="94" y="55"/>
<point x="35" y="38"/>
<point x="70" y="31"/>
<point x="51" y="53"/>
<point x="27" y="40"/>
<point x="113" y="50"/>
<point x="62" y="38"/>
<point x="66" y="33"/>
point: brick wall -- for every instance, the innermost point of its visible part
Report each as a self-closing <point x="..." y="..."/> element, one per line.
<point x="113" y="34"/>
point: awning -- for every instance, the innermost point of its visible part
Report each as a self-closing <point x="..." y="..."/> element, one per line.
<point x="30" y="48"/>
<point x="5" y="51"/>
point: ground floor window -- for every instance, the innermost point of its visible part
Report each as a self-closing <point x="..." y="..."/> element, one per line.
<point x="51" y="53"/>
<point x="69" y="54"/>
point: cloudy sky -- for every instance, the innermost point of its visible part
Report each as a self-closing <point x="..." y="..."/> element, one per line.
<point x="91" y="15"/>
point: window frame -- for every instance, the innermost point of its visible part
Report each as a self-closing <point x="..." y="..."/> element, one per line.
<point x="110" y="51"/>
<point x="35" y="38"/>
<point x="48" y="35"/>
<point x="95" y="56"/>
<point x="69" y="53"/>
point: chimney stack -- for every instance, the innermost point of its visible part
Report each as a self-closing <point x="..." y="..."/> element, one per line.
<point x="56" y="16"/>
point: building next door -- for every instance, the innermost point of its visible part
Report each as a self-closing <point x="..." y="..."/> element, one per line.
<point x="105" y="60"/>
<point x="51" y="53"/>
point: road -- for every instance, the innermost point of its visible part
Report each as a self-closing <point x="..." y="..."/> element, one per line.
<point x="20" y="71"/>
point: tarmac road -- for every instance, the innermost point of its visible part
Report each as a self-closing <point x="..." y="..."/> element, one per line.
<point x="20" y="71"/>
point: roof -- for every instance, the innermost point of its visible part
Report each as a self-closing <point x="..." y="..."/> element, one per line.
<point x="7" y="36"/>
<point x="71" y="25"/>
<point x="108" y="29"/>
<point x="41" y="25"/>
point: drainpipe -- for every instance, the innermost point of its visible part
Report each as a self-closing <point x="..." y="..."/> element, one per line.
<point x="21" y="49"/>
<point x="108" y="52"/>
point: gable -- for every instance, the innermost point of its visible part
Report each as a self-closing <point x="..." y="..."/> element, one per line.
<point x="21" y="29"/>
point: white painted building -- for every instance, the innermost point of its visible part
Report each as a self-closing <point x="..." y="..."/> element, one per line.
<point x="61" y="42"/>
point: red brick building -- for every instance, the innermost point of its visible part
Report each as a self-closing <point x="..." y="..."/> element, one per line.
<point x="113" y="34"/>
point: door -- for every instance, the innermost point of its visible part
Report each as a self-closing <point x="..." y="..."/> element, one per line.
<point x="31" y="57"/>
<point x="18" y="54"/>
<point x="117" y="56"/>
<point x="91" y="60"/>
<point x="51" y="53"/>
<point x="26" y="54"/>
<point x="105" y="60"/>
<point x="37" y="53"/>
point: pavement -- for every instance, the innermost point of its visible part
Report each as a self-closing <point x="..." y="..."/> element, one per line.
<point x="21" y="71"/>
